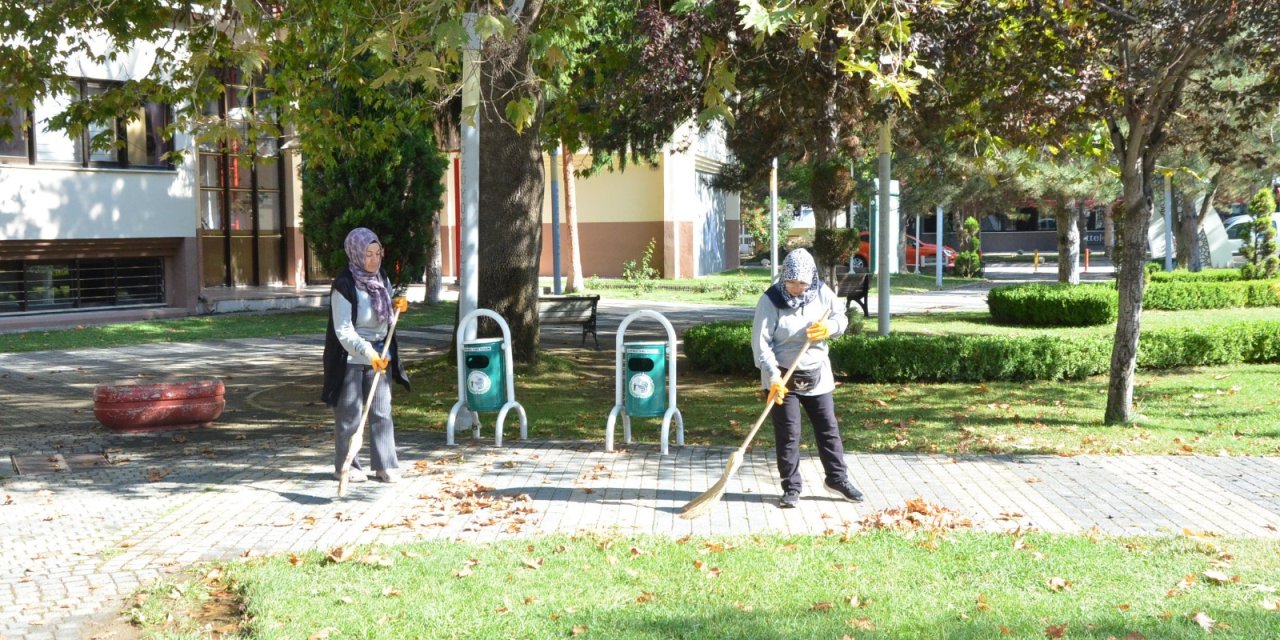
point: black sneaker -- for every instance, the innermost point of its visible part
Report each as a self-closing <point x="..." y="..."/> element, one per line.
<point x="844" y="489"/>
<point x="790" y="499"/>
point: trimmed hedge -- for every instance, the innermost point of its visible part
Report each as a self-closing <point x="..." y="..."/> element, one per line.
<point x="1181" y="296"/>
<point x="1061" y="305"/>
<point x="965" y="358"/>
<point x="725" y="347"/>
<point x="1208" y="275"/>
<point x="720" y="347"/>
<point x="1053" y="305"/>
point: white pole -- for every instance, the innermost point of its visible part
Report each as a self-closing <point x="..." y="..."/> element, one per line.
<point x="940" y="257"/>
<point x="919" y="234"/>
<point x="773" y="221"/>
<point x="1168" y="222"/>
<point x="468" y="278"/>
<point x="886" y="249"/>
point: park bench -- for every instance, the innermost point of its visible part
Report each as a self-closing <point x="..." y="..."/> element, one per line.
<point x="854" y="287"/>
<point x="570" y="310"/>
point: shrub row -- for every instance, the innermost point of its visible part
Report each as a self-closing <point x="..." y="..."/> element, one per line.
<point x="725" y="347"/>
<point x="1052" y="305"/>
<point x="1208" y="275"/>
<point x="1181" y="296"/>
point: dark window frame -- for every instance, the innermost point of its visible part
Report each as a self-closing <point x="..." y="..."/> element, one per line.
<point x="121" y="161"/>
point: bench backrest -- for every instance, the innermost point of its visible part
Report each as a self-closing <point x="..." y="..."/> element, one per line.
<point x="853" y="283"/>
<point x="567" y="308"/>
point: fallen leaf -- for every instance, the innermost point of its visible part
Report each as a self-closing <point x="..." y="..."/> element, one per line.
<point x="1134" y="635"/>
<point x="295" y="559"/>
<point x="579" y="629"/>
<point x="391" y="592"/>
<point x="1058" y="584"/>
<point x="1123" y="606"/>
<point x="533" y="563"/>
<point x="821" y="606"/>
<point x="322" y="634"/>
<point x="1217" y="577"/>
<point x="1005" y="631"/>
<point x="864" y="624"/>
<point x="1032" y="480"/>
<point x="742" y="607"/>
<point x="1055" y="631"/>
<point x="1201" y="618"/>
<point x="463" y="572"/>
<point x="340" y="554"/>
<point x="1271" y="604"/>
<point x="644" y="597"/>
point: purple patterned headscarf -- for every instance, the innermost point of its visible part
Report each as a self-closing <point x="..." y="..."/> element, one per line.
<point x="357" y="244"/>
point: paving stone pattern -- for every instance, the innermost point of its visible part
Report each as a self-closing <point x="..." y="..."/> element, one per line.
<point x="96" y="515"/>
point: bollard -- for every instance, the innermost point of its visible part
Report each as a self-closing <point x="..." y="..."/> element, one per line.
<point x="1086" y="260"/>
<point x="1035" y="262"/>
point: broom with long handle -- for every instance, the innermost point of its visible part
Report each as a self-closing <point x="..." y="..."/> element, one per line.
<point x="353" y="446"/>
<point x="701" y="504"/>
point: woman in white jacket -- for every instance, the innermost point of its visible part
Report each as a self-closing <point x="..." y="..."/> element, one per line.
<point x="791" y="312"/>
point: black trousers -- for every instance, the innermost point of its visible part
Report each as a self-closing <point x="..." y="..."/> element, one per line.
<point x="786" y="432"/>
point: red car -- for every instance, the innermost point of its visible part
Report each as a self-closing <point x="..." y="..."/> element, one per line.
<point x="927" y="254"/>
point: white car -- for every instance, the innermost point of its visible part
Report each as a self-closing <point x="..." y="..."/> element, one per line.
<point x="1239" y="229"/>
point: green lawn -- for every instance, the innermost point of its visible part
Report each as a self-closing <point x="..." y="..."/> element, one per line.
<point x="197" y="328"/>
<point x="877" y="584"/>
<point x="1231" y="410"/>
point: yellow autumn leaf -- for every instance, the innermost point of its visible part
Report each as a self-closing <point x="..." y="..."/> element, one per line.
<point x="340" y="554"/>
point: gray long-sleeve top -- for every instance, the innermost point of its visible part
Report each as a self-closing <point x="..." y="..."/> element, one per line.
<point x="778" y="335"/>
<point x="357" y="339"/>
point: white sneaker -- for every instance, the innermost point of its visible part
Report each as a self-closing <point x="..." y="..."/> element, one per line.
<point x="388" y="476"/>
<point x="353" y="475"/>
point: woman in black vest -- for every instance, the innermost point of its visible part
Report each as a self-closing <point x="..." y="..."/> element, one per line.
<point x="361" y="304"/>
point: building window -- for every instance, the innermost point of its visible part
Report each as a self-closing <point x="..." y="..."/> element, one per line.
<point x="241" y="216"/>
<point x="15" y="135"/>
<point x="79" y="284"/>
<point x="136" y="140"/>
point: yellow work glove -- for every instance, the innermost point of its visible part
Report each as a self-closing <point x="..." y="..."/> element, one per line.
<point x="777" y="390"/>
<point x="401" y="304"/>
<point x="820" y="330"/>
<point x="379" y="364"/>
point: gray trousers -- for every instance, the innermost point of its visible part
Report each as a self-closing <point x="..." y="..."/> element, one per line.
<point x="379" y="431"/>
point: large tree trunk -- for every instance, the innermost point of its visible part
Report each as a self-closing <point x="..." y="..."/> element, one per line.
<point x="511" y="189"/>
<point x="1068" y="243"/>
<point x="1131" y="284"/>
<point x="571" y="220"/>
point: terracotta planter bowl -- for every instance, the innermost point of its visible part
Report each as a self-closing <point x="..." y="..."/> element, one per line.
<point x="139" y="408"/>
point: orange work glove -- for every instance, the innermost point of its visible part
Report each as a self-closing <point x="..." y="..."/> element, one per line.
<point x="820" y="330"/>
<point x="777" y="390"/>
<point x="401" y="304"/>
<point x="379" y="364"/>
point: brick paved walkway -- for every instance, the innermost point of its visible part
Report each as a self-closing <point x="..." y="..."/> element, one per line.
<point x="125" y="510"/>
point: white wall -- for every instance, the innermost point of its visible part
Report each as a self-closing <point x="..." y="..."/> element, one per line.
<point x="46" y="202"/>
<point x="39" y="203"/>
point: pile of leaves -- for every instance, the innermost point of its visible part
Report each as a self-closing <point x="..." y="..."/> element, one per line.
<point x="917" y="515"/>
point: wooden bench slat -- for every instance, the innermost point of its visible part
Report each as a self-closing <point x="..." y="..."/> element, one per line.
<point x="569" y="309"/>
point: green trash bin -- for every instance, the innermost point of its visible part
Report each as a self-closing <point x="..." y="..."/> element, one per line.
<point x="484" y="374"/>
<point x="645" y="372"/>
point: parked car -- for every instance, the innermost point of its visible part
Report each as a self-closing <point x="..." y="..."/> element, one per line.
<point x="1240" y="229"/>
<point x="927" y="253"/>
